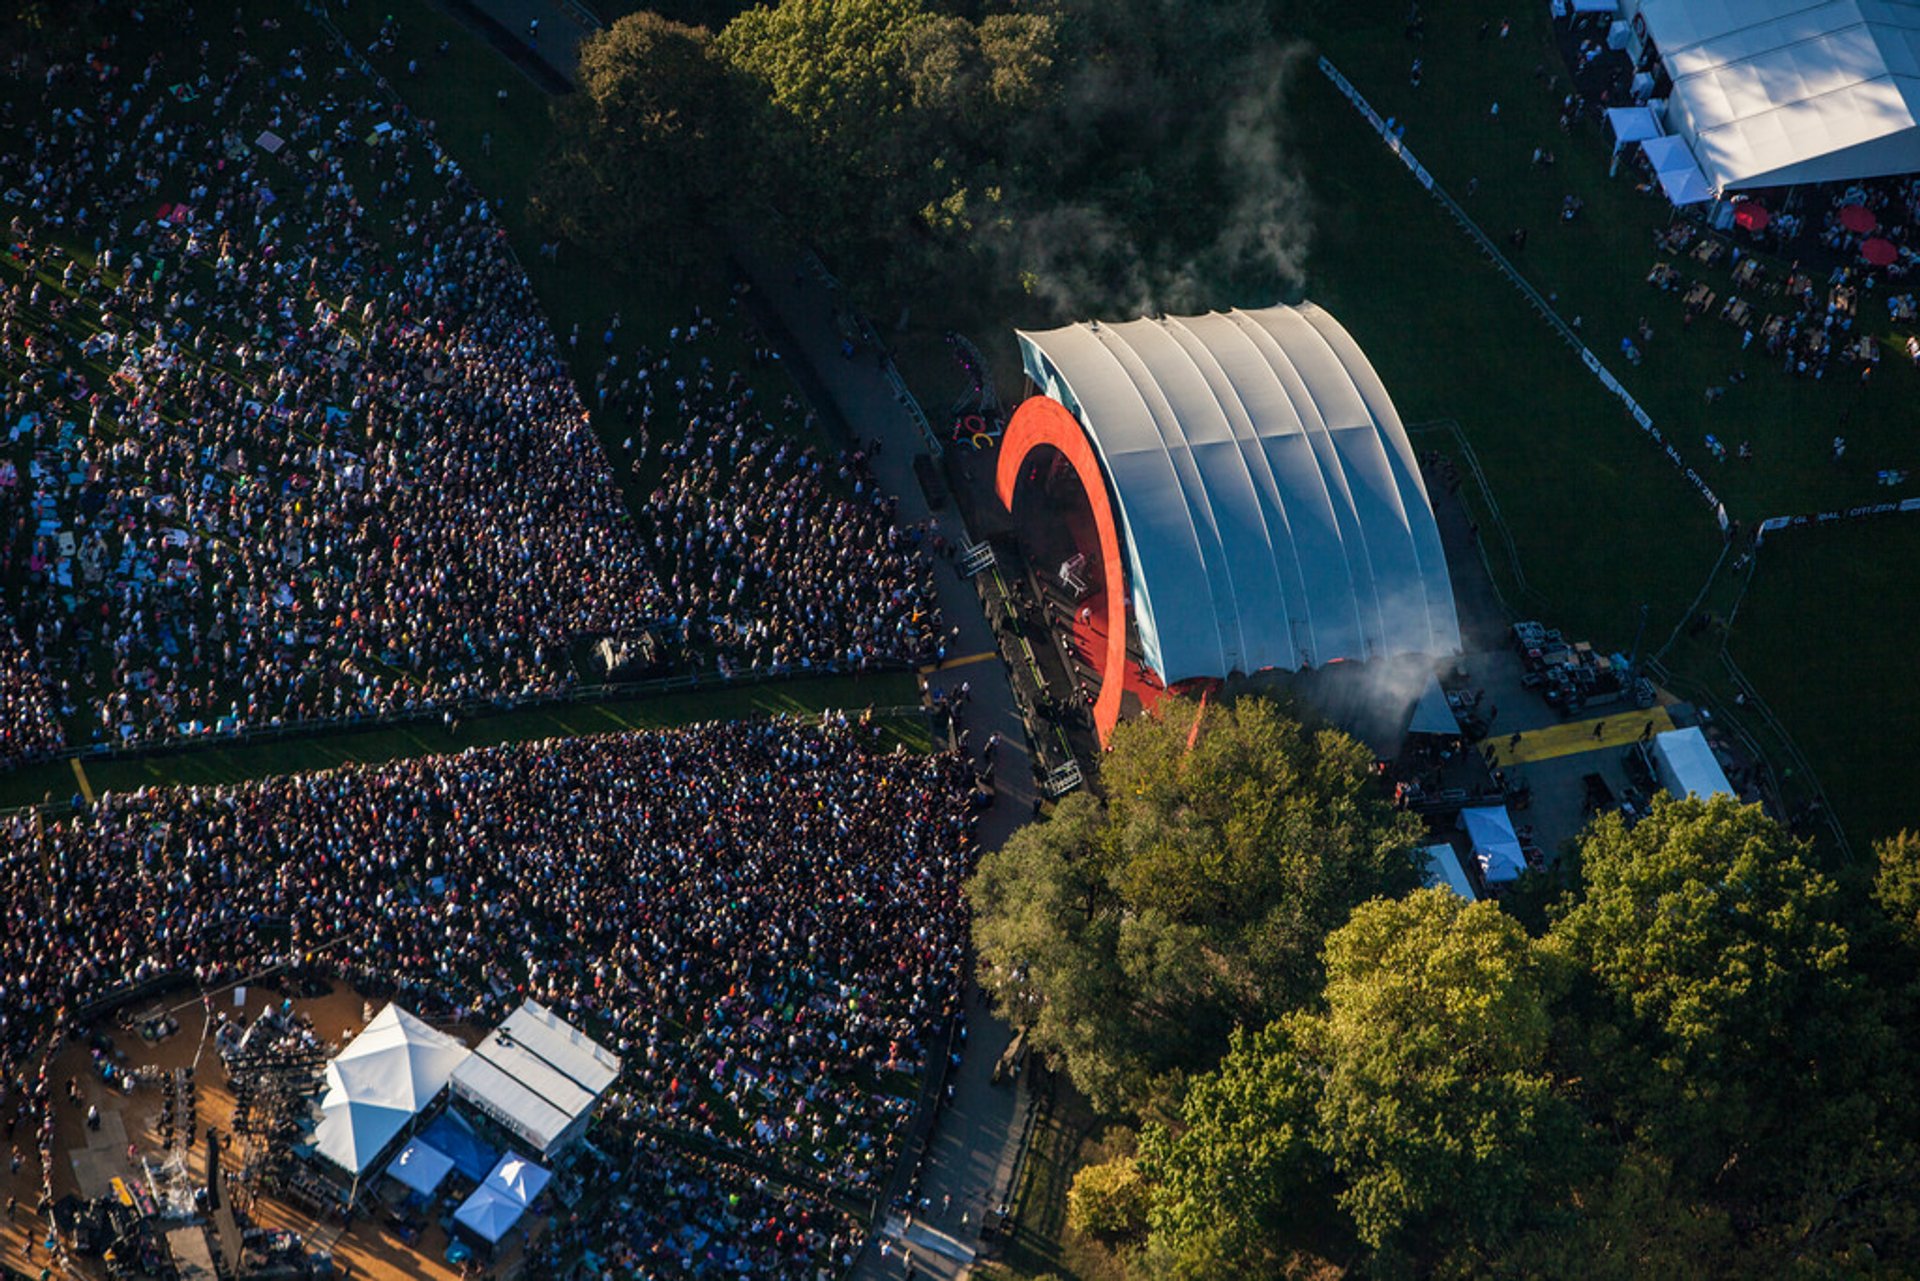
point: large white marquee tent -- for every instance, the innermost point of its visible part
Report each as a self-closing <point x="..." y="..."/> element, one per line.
<point x="381" y="1081"/>
<point x="1272" y="508"/>
<point x="1770" y="93"/>
<point x="538" y="1075"/>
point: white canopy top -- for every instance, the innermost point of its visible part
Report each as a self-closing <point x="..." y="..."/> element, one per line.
<point x="489" y="1213"/>
<point x="538" y="1074"/>
<point x="392" y="1070"/>
<point x="1495" y="843"/>
<point x="1272" y="507"/>
<point x="1775" y="92"/>
<point x="518" y="1178"/>
<point x="421" y="1166"/>
<point x="1687" y="765"/>
<point x="1631" y="124"/>
<point x="1674" y="166"/>
<point x="1443" y="869"/>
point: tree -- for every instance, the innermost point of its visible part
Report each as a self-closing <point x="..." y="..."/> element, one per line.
<point x="1721" y="1012"/>
<point x="1439" y="1112"/>
<point x="1228" y="1178"/>
<point x="1896" y="882"/>
<point x="1108" y="1200"/>
<point x="1130" y="939"/>
<point x="1419" y="1098"/>
<point x="645" y="145"/>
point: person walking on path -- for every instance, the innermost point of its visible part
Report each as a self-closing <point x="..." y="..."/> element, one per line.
<point x="1599" y="729"/>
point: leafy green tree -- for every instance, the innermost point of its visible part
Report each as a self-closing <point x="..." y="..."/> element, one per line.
<point x="1228" y="1179"/>
<point x="1722" y="1013"/>
<point x="1439" y="1111"/>
<point x="1130" y="939"/>
<point x="645" y="145"/>
<point x="1108" y="1200"/>
<point x="1896" y="882"/>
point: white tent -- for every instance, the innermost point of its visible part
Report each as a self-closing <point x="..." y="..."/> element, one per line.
<point x="538" y="1075"/>
<point x="421" y="1166"/>
<point x="1443" y="868"/>
<point x="1433" y="714"/>
<point x="1632" y="124"/>
<point x="518" y="1178"/>
<point x="1687" y="766"/>
<point x="489" y="1214"/>
<point x="1674" y="166"/>
<point x="392" y="1070"/>
<point x="1495" y="843"/>
<point x="1770" y="93"/>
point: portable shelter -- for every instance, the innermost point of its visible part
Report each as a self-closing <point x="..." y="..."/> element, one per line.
<point x="1495" y="843"/>
<point x="1443" y="868"/>
<point x="421" y="1166"/>
<point x="1432" y="714"/>
<point x="1632" y="124"/>
<point x="489" y="1214"/>
<point x="1674" y="166"/>
<point x="1772" y="93"/>
<point x="518" y="1178"/>
<point x="1687" y="766"/>
<point x="379" y="1083"/>
<point x="451" y="1135"/>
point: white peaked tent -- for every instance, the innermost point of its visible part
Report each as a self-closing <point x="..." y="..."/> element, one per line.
<point x="1444" y="870"/>
<point x="518" y="1178"/>
<point x="1495" y="843"/>
<point x="1632" y="124"/>
<point x="1770" y="93"/>
<point x="1687" y="765"/>
<point x="1432" y="714"/>
<point x="378" y="1083"/>
<point x="489" y="1214"/>
<point x="421" y="1166"/>
<point x="1674" y="166"/>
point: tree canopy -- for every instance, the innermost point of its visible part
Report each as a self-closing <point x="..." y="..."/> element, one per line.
<point x="1131" y="938"/>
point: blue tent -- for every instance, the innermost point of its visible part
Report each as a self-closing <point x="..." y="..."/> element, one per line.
<point x="453" y="1136"/>
<point x="489" y="1214"/>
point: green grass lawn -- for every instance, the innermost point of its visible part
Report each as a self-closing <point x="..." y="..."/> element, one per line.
<point x="1602" y="522"/>
<point x="235" y="763"/>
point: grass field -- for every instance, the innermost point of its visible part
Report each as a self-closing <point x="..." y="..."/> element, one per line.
<point x="1602" y="522"/>
<point x="228" y="764"/>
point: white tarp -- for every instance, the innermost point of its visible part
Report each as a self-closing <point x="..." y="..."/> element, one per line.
<point x="489" y="1214"/>
<point x="421" y="1166"/>
<point x="538" y="1075"/>
<point x="1271" y="505"/>
<point x="1443" y="868"/>
<point x="392" y="1070"/>
<point x="1632" y="124"/>
<point x="1773" y="93"/>
<point x="1687" y="766"/>
<point x="1495" y="843"/>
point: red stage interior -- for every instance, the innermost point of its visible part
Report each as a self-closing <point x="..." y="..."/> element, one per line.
<point x="1090" y="645"/>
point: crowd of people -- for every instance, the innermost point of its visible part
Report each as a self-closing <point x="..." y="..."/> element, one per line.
<point x="764" y="920"/>
<point x="288" y="437"/>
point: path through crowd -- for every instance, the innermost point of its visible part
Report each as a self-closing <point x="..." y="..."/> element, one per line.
<point x="973" y="1148"/>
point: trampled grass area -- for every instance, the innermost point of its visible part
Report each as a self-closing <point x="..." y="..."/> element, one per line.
<point x="236" y="763"/>
<point x="1602" y="522"/>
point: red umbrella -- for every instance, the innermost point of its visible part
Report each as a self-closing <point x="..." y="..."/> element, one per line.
<point x="1879" y="251"/>
<point x="1858" y="218"/>
<point x="1752" y="215"/>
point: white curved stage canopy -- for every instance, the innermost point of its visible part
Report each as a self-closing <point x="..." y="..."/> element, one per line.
<point x="1273" y="509"/>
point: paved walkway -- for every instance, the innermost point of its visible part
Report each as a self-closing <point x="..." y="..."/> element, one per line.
<point x="973" y="1147"/>
<point x="557" y="42"/>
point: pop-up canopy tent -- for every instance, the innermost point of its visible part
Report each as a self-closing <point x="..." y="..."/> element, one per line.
<point x="421" y="1166"/>
<point x="1444" y="869"/>
<point x="518" y="1178"/>
<point x="1674" y="166"/>
<point x="1495" y="843"/>
<point x="381" y="1081"/>
<point x="489" y="1214"/>
<point x="1687" y="766"/>
<point x="1632" y="124"/>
